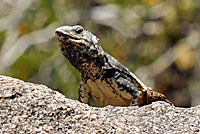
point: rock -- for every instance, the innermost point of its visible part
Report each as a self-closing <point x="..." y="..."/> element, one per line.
<point x="33" y="108"/>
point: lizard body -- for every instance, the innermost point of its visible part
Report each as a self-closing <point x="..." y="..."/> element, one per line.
<point x="103" y="77"/>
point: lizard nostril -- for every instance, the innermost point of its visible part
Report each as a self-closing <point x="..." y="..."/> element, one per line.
<point x="58" y="33"/>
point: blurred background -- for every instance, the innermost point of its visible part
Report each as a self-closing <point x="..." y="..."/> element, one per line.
<point x="157" y="40"/>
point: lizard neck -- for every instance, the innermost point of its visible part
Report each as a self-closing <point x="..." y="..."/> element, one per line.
<point x="89" y="63"/>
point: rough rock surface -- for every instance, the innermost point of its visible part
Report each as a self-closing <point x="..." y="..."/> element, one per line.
<point x="33" y="108"/>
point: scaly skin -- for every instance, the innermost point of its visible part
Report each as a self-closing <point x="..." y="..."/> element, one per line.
<point x="103" y="77"/>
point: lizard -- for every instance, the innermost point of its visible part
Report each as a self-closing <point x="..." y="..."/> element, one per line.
<point x="104" y="78"/>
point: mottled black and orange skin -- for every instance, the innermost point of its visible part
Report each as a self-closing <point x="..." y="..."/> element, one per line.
<point x="103" y="77"/>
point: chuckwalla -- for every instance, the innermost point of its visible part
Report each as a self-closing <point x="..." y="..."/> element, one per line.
<point x="103" y="77"/>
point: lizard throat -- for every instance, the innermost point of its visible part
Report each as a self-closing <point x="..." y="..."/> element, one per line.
<point x="83" y="59"/>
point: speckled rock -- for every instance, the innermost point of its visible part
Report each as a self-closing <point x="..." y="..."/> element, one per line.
<point x="33" y="108"/>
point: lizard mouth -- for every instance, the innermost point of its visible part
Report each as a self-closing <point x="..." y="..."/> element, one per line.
<point x="64" y="37"/>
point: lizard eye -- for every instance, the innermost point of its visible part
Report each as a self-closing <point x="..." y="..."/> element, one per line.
<point x="79" y="30"/>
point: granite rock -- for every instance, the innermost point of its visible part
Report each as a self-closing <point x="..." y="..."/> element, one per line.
<point x="33" y="108"/>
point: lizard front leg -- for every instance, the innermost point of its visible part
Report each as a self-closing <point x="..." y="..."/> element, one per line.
<point x="84" y="94"/>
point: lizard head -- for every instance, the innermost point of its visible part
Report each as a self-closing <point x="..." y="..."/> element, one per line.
<point x="78" y="45"/>
<point x="76" y="35"/>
